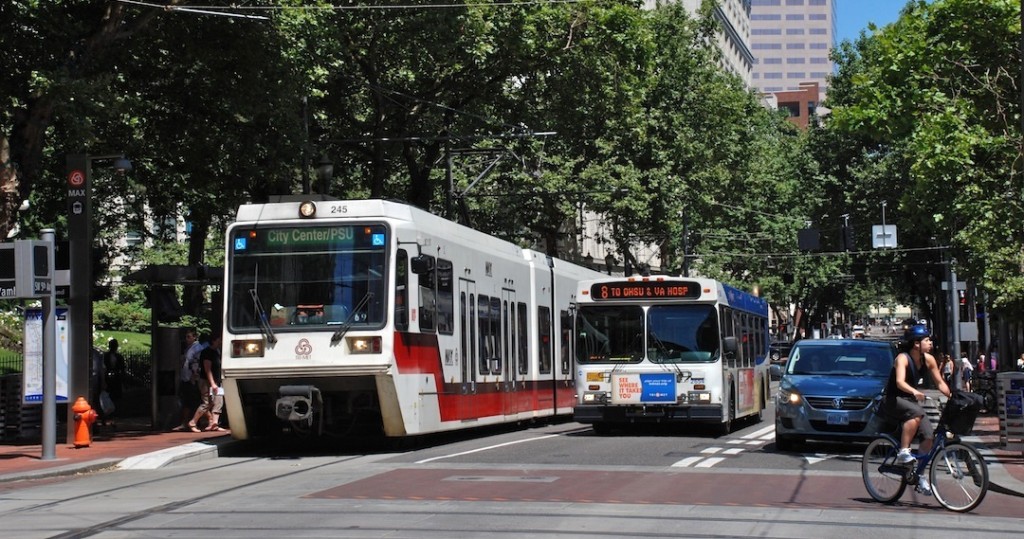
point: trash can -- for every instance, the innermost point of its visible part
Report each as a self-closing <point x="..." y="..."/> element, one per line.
<point x="1010" y="394"/>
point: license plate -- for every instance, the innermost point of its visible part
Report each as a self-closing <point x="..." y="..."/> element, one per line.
<point x="838" y="419"/>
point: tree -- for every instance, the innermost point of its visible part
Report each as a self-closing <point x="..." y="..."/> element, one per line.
<point x="932" y="103"/>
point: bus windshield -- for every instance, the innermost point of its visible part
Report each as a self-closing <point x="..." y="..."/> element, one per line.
<point x="609" y="334"/>
<point x="673" y="334"/>
<point x="682" y="333"/>
<point x="306" y="277"/>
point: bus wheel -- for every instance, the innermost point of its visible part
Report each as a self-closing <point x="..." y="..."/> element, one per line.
<point x="726" y="427"/>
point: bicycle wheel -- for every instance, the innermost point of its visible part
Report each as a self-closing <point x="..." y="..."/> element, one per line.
<point x="959" y="477"/>
<point x="883" y="477"/>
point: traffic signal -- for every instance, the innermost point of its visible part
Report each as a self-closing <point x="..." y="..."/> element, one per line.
<point x="846" y="238"/>
<point x="963" y="296"/>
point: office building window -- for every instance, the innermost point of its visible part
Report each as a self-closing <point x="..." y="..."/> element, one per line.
<point x="765" y="2"/>
<point x="819" y="31"/>
<point x="792" y="61"/>
<point x="819" y="46"/>
<point x="819" y="60"/>
<point x="766" y="32"/>
<point x="794" y="2"/>
<point x="794" y="31"/>
<point x="765" y="17"/>
<point x="818" y="74"/>
<point x="773" y="75"/>
<point x="796" y="75"/>
<point x="792" y="46"/>
<point x="794" y="16"/>
<point x="766" y="46"/>
<point x="768" y="61"/>
<point x="816" y="3"/>
<point x="818" y="17"/>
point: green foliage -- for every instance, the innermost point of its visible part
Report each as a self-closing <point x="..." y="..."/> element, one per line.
<point x="114" y="315"/>
<point x="926" y="115"/>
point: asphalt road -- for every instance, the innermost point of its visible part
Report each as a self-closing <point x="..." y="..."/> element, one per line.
<point x="553" y="480"/>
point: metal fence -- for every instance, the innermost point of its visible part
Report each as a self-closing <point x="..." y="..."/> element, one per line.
<point x="137" y="366"/>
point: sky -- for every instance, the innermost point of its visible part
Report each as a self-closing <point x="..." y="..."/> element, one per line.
<point x="852" y="16"/>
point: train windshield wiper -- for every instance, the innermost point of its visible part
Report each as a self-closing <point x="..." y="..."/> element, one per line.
<point x="345" y="326"/>
<point x="261" y="317"/>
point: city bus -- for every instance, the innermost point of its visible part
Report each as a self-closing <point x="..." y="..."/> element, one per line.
<point x="668" y="349"/>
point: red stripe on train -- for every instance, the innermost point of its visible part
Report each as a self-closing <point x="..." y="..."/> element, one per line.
<point x="417" y="353"/>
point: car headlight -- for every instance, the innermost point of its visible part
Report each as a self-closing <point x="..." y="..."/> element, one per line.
<point x="789" y="396"/>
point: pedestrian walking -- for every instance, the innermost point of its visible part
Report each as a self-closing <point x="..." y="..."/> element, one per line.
<point x="115" y="372"/>
<point x="188" y="383"/>
<point x="210" y="391"/>
<point x="965" y="372"/>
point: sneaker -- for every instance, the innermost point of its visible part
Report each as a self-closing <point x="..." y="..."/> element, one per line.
<point x="923" y="486"/>
<point x="905" y="456"/>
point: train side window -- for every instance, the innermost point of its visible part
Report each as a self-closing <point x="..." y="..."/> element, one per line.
<point x="428" y="297"/>
<point x="402" y="290"/>
<point x="524" y="355"/>
<point x="484" y="327"/>
<point x="445" y="298"/>
<point x="566" y="332"/>
<point x="497" y="346"/>
<point x="544" y="339"/>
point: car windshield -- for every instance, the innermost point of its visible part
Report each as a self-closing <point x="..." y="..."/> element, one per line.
<point x="841" y="359"/>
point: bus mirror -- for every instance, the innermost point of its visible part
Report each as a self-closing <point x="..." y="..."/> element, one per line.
<point x="422" y="264"/>
<point x="730" y="345"/>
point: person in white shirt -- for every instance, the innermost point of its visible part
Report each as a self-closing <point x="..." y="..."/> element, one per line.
<point x="966" y="369"/>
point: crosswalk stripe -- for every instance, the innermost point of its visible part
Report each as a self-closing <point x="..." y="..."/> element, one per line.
<point x="707" y="463"/>
<point x="687" y="462"/>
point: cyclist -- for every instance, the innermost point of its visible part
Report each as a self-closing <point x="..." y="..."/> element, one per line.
<point x="903" y="398"/>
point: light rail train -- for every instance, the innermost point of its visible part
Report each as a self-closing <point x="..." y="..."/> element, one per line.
<point x="375" y="317"/>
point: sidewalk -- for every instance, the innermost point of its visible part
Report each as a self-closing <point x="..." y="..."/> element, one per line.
<point x="134" y="445"/>
<point x="131" y="444"/>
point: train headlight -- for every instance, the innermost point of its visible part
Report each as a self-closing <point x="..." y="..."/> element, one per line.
<point x="247" y="348"/>
<point x="363" y="345"/>
<point x="307" y="209"/>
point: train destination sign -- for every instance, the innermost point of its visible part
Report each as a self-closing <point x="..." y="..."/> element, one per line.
<point x="305" y="238"/>
<point x="645" y="290"/>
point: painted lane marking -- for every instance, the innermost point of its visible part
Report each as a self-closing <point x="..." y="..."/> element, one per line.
<point x="488" y="448"/>
<point x="709" y="462"/>
<point x="761" y="432"/>
<point x="687" y="462"/>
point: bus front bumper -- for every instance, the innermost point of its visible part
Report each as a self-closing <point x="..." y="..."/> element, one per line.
<point x="651" y="413"/>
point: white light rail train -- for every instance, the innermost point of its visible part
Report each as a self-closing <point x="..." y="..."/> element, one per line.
<point x="372" y="317"/>
<point x="669" y="349"/>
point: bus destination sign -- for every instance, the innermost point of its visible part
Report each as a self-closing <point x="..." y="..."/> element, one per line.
<point x="645" y="290"/>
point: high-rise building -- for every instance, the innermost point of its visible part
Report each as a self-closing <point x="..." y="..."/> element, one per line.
<point x="791" y="41"/>
<point x="733" y="36"/>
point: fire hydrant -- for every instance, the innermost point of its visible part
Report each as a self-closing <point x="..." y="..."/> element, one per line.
<point x="85" y="416"/>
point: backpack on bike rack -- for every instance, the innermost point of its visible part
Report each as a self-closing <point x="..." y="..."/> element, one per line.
<point x="961" y="411"/>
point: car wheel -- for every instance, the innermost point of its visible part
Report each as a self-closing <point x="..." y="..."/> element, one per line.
<point x="784" y="443"/>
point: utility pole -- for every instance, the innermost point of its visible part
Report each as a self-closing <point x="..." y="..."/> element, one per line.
<point x="954" y="307"/>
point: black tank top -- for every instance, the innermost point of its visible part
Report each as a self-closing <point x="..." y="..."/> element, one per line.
<point x="910" y="376"/>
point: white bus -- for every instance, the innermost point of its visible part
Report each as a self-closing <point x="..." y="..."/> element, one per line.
<point x="668" y="349"/>
<point x="375" y="317"/>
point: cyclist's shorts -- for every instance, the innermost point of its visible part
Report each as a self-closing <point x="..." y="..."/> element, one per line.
<point x="907" y="409"/>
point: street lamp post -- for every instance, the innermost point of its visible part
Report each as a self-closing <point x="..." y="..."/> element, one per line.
<point x="324" y="173"/>
<point x="80" y="239"/>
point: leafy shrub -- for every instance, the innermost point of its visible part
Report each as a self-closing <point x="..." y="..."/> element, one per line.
<point x="112" y="315"/>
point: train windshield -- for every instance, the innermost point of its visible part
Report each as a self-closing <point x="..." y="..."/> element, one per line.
<point x="307" y="277"/>
<point x="665" y="334"/>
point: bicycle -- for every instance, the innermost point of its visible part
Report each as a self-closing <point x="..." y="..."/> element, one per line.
<point x="956" y="470"/>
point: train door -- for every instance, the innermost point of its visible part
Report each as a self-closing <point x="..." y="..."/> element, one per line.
<point x="467" y="345"/>
<point x="508" y="352"/>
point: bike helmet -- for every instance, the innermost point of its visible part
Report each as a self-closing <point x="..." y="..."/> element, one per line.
<point x="916" y="333"/>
